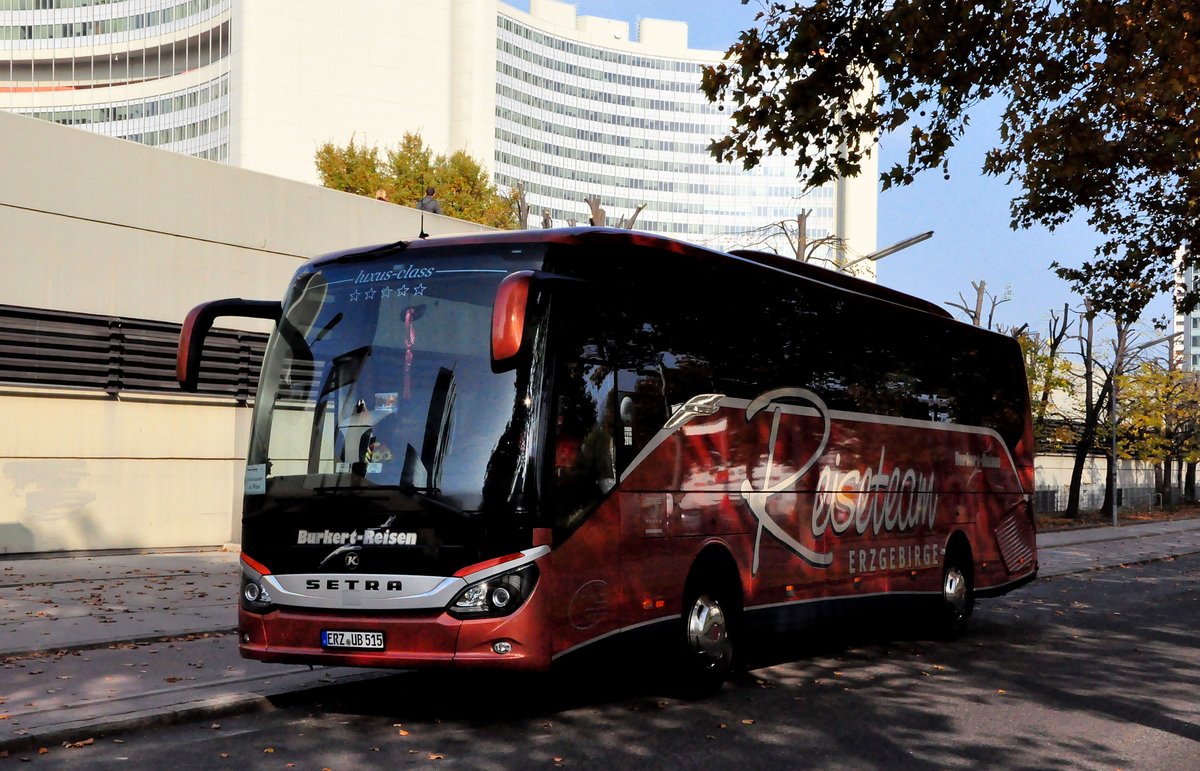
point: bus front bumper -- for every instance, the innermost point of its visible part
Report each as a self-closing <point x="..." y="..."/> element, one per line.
<point x="292" y="636"/>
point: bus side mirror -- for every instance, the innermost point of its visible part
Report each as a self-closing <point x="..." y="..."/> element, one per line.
<point x="510" y="312"/>
<point x="508" y="319"/>
<point x="200" y="319"/>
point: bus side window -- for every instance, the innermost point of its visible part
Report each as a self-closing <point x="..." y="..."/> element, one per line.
<point x="584" y="423"/>
<point x="684" y="376"/>
<point x="643" y="411"/>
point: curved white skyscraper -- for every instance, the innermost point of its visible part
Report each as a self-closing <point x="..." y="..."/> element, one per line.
<point x="569" y="105"/>
<point x="151" y="71"/>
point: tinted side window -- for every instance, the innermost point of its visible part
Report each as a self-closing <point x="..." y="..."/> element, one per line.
<point x="583" y="423"/>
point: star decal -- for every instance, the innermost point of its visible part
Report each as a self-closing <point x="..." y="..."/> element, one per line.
<point x="370" y="295"/>
<point x="419" y="289"/>
<point x="354" y="296"/>
<point x="402" y="290"/>
<point x="386" y="292"/>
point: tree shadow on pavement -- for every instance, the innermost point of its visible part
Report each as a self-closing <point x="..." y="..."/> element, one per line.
<point x="1096" y="655"/>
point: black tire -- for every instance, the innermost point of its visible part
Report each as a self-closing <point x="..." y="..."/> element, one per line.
<point x="957" y="598"/>
<point x="708" y="632"/>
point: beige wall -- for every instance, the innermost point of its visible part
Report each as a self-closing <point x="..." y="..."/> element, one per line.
<point x="89" y="472"/>
<point x="306" y="74"/>
<point x="1055" y="471"/>
<point x="104" y="226"/>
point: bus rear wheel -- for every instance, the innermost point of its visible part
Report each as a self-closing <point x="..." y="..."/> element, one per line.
<point x="957" y="599"/>
<point x="708" y="644"/>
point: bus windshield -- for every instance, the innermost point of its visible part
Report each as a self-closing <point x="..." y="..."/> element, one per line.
<point x="379" y="375"/>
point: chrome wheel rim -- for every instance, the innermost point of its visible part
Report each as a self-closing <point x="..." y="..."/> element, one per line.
<point x="708" y="632"/>
<point x="954" y="591"/>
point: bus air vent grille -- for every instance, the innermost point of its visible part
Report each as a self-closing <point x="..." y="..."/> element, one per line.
<point x="1015" y="538"/>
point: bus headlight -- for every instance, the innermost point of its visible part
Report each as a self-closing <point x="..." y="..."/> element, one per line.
<point x="497" y="596"/>
<point x="255" y="596"/>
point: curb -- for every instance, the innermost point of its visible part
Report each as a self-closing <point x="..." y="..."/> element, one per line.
<point x="186" y="635"/>
<point x="1111" y="565"/>
<point x="219" y="705"/>
<point x="74" y="731"/>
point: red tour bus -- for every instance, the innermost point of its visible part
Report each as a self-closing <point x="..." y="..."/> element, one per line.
<point x="495" y="450"/>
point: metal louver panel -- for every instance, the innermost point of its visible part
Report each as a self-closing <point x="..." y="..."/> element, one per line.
<point x="113" y="354"/>
<point x="1015" y="537"/>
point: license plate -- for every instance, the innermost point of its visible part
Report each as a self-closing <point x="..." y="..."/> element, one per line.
<point x="372" y="641"/>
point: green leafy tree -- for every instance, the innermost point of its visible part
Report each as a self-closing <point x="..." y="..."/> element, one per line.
<point x="1101" y="111"/>
<point x="1051" y="381"/>
<point x="352" y="169"/>
<point x="467" y="193"/>
<point x="404" y="171"/>
<point x="1159" y="418"/>
<point x="409" y="169"/>
<point x="1095" y="378"/>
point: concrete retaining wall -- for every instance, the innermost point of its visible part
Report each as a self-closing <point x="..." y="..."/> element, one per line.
<point x="103" y="226"/>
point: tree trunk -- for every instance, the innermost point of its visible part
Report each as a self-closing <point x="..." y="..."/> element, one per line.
<point x="1083" y="449"/>
<point x="1189" y="484"/>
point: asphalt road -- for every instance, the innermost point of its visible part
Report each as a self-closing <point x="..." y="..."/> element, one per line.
<point x="1095" y="670"/>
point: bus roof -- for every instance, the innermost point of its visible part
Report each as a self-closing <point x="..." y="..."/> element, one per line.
<point x="593" y="236"/>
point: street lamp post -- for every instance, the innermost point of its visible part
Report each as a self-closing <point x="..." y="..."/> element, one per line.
<point x="1112" y="471"/>
<point x="879" y="254"/>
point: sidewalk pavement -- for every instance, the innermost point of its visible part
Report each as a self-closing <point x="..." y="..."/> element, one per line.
<point x="94" y="644"/>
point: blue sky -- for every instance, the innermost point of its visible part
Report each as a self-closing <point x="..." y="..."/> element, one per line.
<point x="968" y="213"/>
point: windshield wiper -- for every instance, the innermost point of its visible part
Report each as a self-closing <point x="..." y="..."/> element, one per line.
<point x="329" y="325"/>
<point x="370" y="253"/>
<point x="428" y="500"/>
<point x="424" y="497"/>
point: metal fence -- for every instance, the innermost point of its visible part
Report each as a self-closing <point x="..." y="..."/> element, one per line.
<point x="1052" y="500"/>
